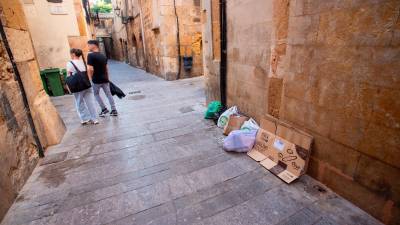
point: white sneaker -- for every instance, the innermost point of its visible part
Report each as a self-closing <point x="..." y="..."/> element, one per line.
<point x="95" y="122"/>
<point x="86" y="122"/>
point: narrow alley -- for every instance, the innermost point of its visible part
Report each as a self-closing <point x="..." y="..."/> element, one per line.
<point x="160" y="162"/>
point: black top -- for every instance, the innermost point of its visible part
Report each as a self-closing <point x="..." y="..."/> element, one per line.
<point x="99" y="63"/>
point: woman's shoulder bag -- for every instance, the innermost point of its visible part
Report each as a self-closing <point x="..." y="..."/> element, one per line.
<point x="78" y="81"/>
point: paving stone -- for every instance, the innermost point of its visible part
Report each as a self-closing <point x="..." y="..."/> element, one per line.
<point x="326" y="221"/>
<point x="303" y="217"/>
<point x="160" y="162"/>
<point x="147" y="215"/>
<point x="54" y="158"/>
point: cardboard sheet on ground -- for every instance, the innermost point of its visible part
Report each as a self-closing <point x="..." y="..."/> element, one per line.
<point x="282" y="149"/>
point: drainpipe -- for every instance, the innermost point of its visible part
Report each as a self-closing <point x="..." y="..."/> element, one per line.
<point x="143" y="37"/>
<point x="23" y="93"/>
<point x="178" y="42"/>
<point x="223" y="65"/>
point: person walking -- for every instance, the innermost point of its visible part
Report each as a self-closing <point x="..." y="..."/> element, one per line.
<point x="98" y="73"/>
<point x="83" y="99"/>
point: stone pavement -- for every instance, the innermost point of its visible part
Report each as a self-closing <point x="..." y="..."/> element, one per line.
<point x="160" y="162"/>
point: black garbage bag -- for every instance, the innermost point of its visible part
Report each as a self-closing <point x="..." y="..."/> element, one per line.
<point x="116" y="91"/>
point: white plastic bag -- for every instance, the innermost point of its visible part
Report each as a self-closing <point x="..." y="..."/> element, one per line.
<point x="223" y="119"/>
<point x="240" y="141"/>
<point x="250" y="124"/>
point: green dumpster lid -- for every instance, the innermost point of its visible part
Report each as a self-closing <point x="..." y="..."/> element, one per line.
<point x="52" y="70"/>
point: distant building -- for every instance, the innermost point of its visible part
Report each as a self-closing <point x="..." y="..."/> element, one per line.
<point x="56" y="26"/>
<point x="146" y="35"/>
<point x="103" y="30"/>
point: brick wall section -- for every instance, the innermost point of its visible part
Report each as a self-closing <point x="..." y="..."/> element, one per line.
<point x="331" y="68"/>
<point x="18" y="154"/>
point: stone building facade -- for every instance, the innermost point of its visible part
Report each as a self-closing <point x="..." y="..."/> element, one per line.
<point x="145" y="35"/>
<point x="103" y="29"/>
<point x="18" y="151"/>
<point x="56" y="26"/>
<point x="328" y="67"/>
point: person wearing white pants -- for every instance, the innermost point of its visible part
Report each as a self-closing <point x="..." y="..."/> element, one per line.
<point x="83" y="99"/>
<point x="85" y="106"/>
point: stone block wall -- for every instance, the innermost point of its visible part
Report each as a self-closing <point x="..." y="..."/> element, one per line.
<point x="341" y="82"/>
<point x="135" y="43"/>
<point x="159" y="37"/>
<point x="331" y="68"/>
<point x="18" y="154"/>
<point x="211" y="48"/>
<point x="249" y="51"/>
<point x="158" y="57"/>
<point x="190" y="35"/>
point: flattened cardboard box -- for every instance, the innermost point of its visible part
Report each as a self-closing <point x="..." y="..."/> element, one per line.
<point x="282" y="149"/>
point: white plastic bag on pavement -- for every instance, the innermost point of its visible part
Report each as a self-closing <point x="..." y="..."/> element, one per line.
<point x="240" y="141"/>
<point x="250" y="124"/>
<point x="223" y="119"/>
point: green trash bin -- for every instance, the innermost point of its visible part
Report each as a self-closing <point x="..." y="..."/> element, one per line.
<point x="44" y="82"/>
<point x="53" y="82"/>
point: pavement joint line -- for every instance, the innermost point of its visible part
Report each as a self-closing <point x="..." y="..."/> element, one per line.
<point x="123" y="148"/>
<point x="119" y="183"/>
<point x="124" y="192"/>
<point x="196" y="192"/>
<point x="150" y="133"/>
<point x="129" y="125"/>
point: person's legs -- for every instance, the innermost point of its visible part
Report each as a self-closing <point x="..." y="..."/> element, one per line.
<point x="107" y="91"/>
<point x="96" y="92"/>
<point x="87" y="95"/>
<point x="83" y="113"/>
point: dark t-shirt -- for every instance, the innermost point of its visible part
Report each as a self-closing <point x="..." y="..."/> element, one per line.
<point x="99" y="63"/>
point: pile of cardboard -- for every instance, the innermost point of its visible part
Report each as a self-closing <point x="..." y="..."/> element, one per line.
<point x="279" y="147"/>
<point x="282" y="149"/>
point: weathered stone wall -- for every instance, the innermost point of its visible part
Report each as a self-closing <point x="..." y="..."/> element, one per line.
<point x="328" y="67"/>
<point x="135" y="43"/>
<point x="211" y="48"/>
<point x="156" y="58"/>
<point x="249" y="50"/>
<point x="119" y="34"/>
<point x="157" y="49"/>
<point x="342" y="84"/>
<point x="18" y="154"/>
<point x="189" y="15"/>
